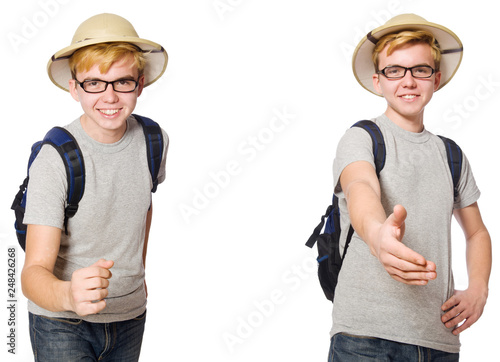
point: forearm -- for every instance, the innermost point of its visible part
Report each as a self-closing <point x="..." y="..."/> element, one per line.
<point x="464" y="308"/>
<point x="479" y="260"/>
<point x="478" y="246"/>
<point x="365" y="210"/>
<point x="149" y="218"/>
<point x="38" y="281"/>
<point x="44" y="289"/>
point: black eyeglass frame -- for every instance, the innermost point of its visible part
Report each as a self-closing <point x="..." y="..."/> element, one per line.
<point x="406" y="70"/>
<point x="107" y="83"/>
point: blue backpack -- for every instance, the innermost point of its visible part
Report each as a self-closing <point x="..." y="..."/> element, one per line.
<point x="328" y="242"/>
<point x="64" y="142"/>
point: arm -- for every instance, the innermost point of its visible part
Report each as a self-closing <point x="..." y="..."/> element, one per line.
<point x="382" y="234"/>
<point x="41" y="286"/>
<point x="468" y="305"/>
<point x="149" y="217"/>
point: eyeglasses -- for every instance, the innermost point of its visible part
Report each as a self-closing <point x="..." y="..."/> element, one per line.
<point x="99" y="86"/>
<point x="398" y="72"/>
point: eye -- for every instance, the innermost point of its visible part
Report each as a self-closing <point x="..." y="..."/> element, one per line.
<point x="423" y="70"/>
<point x="124" y="82"/>
<point x="92" y="83"/>
<point x="393" y="71"/>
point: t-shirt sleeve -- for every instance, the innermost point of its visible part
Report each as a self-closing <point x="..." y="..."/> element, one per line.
<point x="46" y="193"/>
<point x="166" y="142"/>
<point x="355" y="145"/>
<point x="468" y="192"/>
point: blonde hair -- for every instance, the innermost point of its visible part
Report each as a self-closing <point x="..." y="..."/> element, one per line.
<point x="105" y="55"/>
<point x="399" y="40"/>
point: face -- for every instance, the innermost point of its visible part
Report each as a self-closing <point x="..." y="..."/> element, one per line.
<point x="105" y="113"/>
<point x="407" y="97"/>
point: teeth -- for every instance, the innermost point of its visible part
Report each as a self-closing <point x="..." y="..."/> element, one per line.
<point x="109" y="112"/>
<point x="409" y="96"/>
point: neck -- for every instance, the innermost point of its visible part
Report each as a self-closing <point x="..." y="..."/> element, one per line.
<point x="102" y="135"/>
<point x="413" y="124"/>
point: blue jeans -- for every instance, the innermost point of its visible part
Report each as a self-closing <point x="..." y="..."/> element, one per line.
<point x="349" y="348"/>
<point x="61" y="339"/>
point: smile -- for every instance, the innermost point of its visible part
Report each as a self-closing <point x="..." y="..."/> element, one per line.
<point x="409" y="96"/>
<point x="109" y="112"/>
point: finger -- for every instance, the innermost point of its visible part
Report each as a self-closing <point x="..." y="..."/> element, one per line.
<point x="410" y="258"/>
<point x="98" y="269"/>
<point x="90" y="308"/>
<point x="459" y="328"/>
<point x="91" y="272"/>
<point x="411" y="276"/>
<point x="85" y="285"/>
<point x="430" y="266"/>
<point x="450" y="303"/>
<point x="452" y="317"/>
<point x="467" y="324"/>
<point x="96" y="283"/>
<point x="419" y="282"/>
<point x="103" y="263"/>
<point x="409" y="282"/>
<point x="87" y="296"/>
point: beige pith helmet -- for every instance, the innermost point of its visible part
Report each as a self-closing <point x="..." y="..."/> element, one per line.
<point x="450" y="45"/>
<point x="105" y="28"/>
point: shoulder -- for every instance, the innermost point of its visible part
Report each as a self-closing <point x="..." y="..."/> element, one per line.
<point x="356" y="142"/>
<point x="355" y="135"/>
<point x="47" y="161"/>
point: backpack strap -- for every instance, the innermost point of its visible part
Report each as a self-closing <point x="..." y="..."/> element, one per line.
<point x="332" y="223"/>
<point x="454" y="155"/>
<point x="64" y="142"/>
<point x="154" y="146"/>
<point x="317" y="230"/>
<point x="377" y="143"/>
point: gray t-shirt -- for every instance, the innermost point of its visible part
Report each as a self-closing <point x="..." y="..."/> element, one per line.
<point x="368" y="302"/>
<point x="111" y="219"/>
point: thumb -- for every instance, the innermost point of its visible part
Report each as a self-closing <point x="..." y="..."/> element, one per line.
<point x="397" y="220"/>
<point x="103" y="263"/>
<point x="399" y="215"/>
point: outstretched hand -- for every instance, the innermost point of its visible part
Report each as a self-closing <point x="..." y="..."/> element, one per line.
<point x="402" y="263"/>
<point x="89" y="288"/>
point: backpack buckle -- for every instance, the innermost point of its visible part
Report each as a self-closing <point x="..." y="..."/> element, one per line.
<point x="71" y="210"/>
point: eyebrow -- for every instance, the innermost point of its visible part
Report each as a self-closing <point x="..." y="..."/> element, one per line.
<point x="416" y="65"/>
<point x="128" y="77"/>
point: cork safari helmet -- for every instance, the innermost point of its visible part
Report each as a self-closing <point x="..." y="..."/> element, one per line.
<point x="107" y="28"/>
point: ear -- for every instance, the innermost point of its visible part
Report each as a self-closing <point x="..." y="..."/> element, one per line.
<point x="73" y="91"/>
<point x="437" y="81"/>
<point x="376" y="83"/>
<point x="140" y="87"/>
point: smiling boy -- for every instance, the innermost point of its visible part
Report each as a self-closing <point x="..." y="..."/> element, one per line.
<point x="395" y="297"/>
<point x="86" y="288"/>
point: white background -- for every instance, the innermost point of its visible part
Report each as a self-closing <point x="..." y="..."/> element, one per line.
<point x="233" y="281"/>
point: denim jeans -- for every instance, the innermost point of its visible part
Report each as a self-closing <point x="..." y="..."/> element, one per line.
<point x="349" y="348"/>
<point x="61" y="339"/>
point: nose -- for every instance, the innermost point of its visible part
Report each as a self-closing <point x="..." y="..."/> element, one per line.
<point x="109" y="95"/>
<point x="408" y="80"/>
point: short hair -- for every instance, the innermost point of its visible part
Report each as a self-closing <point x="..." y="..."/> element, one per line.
<point x="105" y="55"/>
<point x="406" y="37"/>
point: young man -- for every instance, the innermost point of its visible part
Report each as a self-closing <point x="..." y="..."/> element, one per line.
<point x="395" y="299"/>
<point x="86" y="289"/>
